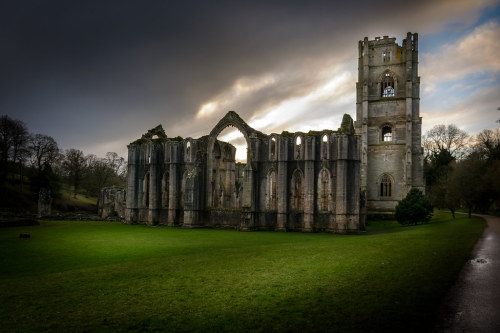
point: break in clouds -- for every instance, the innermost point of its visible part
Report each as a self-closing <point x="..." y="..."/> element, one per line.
<point x="96" y="75"/>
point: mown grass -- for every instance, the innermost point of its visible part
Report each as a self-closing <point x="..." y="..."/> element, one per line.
<point x="98" y="276"/>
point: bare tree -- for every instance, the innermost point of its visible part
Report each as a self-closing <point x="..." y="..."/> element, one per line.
<point x="74" y="164"/>
<point x="442" y="137"/>
<point x="44" y="150"/>
<point x="13" y="140"/>
<point x="487" y="144"/>
<point x="104" y="172"/>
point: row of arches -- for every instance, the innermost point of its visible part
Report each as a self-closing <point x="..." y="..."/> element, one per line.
<point x="298" y="147"/>
<point x="296" y="193"/>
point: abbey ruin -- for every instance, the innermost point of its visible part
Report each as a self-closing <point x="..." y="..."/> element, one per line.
<point x="291" y="181"/>
<point x="315" y="181"/>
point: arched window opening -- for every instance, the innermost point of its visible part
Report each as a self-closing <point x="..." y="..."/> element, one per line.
<point x="298" y="147"/>
<point x="387" y="85"/>
<point x="324" y="146"/>
<point x="386" y="133"/>
<point x="228" y="164"/>
<point x="188" y="151"/>
<point x="272" y="148"/>
<point x="386" y="186"/>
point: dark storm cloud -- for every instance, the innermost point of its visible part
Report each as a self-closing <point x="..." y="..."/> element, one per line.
<point x="87" y="72"/>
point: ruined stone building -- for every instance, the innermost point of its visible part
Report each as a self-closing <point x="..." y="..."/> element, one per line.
<point x="316" y="181"/>
<point x="291" y="181"/>
<point x="388" y="121"/>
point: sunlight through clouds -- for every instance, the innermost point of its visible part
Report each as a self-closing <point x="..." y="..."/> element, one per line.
<point x="242" y="87"/>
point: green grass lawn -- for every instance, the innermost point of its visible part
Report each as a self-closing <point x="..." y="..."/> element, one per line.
<point x="98" y="276"/>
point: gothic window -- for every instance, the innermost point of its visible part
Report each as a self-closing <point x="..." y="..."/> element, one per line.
<point x="386" y="133"/>
<point x="386" y="186"/>
<point x="386" y="56"/>
<point x="272" y="148"/>
<point x="298" y="147"/>
<point x="387" y="85"/>
<point x="188" y="151"/>
<point x="324" y="146"/>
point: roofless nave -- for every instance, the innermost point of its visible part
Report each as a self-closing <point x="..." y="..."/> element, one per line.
<point x="315" y="181"/>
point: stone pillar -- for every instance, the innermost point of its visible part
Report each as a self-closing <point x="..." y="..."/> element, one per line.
<point x="173" y="186"/>
<point x="309" y="153"/>
<point x="249" y="188"/>
<point x="154" y="188"/>
<point x="131" y="210"/>
<point x="282" y="184"/>
<point x="341" y="186"/>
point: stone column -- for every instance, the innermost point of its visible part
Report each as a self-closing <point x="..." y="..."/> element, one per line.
<point x="341" y="186"/>
<point x="173" y="186"/>
<point x="282" y="184"/>
<point x="154" y="194"/>
<point x="309" y="153"/>
<point x="131" y="210"/>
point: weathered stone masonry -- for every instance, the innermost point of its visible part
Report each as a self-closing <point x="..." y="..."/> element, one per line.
<point x="293" y="181"/>
<point x="388" y="121"/>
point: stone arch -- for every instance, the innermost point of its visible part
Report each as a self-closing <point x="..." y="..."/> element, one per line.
<point x="230" y="119"/>
<point x="387" y="78"/>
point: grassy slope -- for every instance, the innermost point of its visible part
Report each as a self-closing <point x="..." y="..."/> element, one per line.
<point x="108" y="276"/>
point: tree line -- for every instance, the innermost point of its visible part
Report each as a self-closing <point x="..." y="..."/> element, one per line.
<point x="29" y="162"/>
<point x="462" y="170"/>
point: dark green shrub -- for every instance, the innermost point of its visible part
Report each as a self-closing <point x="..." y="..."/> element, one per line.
<point x="414" y="208"/>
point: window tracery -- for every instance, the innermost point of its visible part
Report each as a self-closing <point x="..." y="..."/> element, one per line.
<point x="387" y="85"/>
<point x="386" y="186"/>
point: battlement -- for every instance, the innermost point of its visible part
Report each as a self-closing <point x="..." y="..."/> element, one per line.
<point x="366" y="45"/>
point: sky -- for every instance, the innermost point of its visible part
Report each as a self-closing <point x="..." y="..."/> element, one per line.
<point x="96" y="75"/>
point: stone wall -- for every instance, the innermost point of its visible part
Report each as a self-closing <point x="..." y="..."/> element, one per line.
<point x="291" y="181"/>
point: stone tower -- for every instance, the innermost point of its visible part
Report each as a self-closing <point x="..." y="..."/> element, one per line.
<point x="388" y="121"/>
